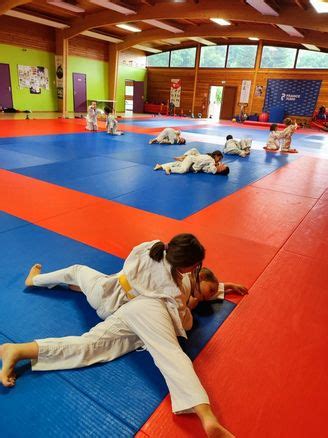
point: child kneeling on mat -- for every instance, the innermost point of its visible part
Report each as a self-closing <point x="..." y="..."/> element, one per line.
<point x="286" y="136"/>
<point x="273" y="143"/>
<point x="237" y="147"/>
<point x="111" y="122"/>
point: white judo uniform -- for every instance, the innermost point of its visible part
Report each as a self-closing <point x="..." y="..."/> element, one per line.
<point x="286" y="136"/>
<point x="154" y="312"/>
<point x="168" y="135"/>
<point x="92" y="119"/>
<point x="273" y="142"/>
<point x="111" y="124"/>
<point x="193" y="160"/>
<point x="237" y="147"/>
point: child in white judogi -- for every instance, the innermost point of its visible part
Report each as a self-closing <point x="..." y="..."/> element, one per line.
<point x="195" y="161"/>
<point x="144" y="320"/>
<point x="111" y="122"/>
<point x="273" y="143"/>
<point x="237" y="147"/>
<point x="286" y="136"/>
<point x="92" y="117"/>
<point x="169" y="136"/>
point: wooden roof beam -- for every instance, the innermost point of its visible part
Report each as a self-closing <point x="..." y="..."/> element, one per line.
<point x="242" y="31"/>
<point x="233" y="10"/>
<point x="6" y="5"/>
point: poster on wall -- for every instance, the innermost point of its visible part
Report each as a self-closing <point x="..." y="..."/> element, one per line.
<point x="175" y="92"/>
<point x="33" y="77"/>
<point x="297" y="97"/>
<point x="258" y="90"/>
<point x="59" y="76"/>
<point x="245" y="90"/>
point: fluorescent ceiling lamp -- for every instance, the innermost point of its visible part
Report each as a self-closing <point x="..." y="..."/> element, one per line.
<point x="113" y="7"/>
<point x="147" y="49"/>
<point x="320" y="6"/>
<point x="128" y="27"/>
<point x="67" y="6"/>
<point x="253" y="38"/>
<point x="221" y="21"/>
<point x="311" y="47"/>
<point x="262" y="7"/>
<point x="290" y="30"/>
<point x="35" y="19"/>
<point x="171" y="41"/>
<point x="100" y="36"/>
<point x="203" y="41"/>
<point x="162" y="25"/>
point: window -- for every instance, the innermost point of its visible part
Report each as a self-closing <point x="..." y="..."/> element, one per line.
<point x="183" y="57"/>
<point x="278" y="57"/>
<point x="213" y="56"/>
<point x="310" y="59"/>
<point x="241" y="56"/>
<point x="158" y="60"/>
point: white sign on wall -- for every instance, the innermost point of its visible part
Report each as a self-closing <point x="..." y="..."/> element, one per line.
<point x="245" y="91"/>
<point x="175" y="92"/>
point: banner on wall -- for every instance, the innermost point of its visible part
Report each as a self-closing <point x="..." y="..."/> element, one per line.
<point x="59" y="76"/>
<point x="297" y="97"/>
<point x="33" y="77"/>
<point x="245" y="91"/>
<point x="175" y="92"/>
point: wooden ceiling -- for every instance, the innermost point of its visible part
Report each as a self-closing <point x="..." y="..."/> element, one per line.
<point x="189" y="18"/>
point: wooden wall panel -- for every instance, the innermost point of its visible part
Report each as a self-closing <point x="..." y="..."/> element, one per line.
<point x="159" y="84"/>
<point x="89" y="48"/>
<point x="26" y="34"/>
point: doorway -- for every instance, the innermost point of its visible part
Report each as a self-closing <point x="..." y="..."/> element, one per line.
<point x="80" y="92"/>
<point x="134" y="96"/>
<point x="215" y="101"/>
<point x="6" y="98"/>
<point x="228" y="102"/>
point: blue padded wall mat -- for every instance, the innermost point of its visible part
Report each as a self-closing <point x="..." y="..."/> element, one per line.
<point x="113" y="399"/>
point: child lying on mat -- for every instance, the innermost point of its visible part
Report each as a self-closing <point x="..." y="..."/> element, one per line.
<point x="143" y="319"/>
<point x="169" y="136"/>
<point x="237" y="147"/>
<point x="193" y="160"/>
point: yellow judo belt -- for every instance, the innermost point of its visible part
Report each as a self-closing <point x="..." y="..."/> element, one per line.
<point x="126" y="286"/>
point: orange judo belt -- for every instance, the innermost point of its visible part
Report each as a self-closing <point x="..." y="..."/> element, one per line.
<point x="126" y="286"/>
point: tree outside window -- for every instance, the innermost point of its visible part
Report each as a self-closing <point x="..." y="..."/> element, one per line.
<point x="278" y="57"/>
<point x="183" y="57"/>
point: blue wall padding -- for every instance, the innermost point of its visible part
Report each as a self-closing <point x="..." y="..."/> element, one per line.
<point x="113" y="399"/>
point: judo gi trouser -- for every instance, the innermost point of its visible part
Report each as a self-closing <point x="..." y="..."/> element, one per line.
<point x="179" y="166"/>
<point x="103" y="292"/>
<point x="142" y="321"/>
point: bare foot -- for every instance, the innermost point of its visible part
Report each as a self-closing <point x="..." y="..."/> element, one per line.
<point x="74" y="288"/>
<point x="168" y="171"/>
<point x="214" y="429"/>
<point x="9" y="358"/>
<point x="157" y="167"/>
<point x="35" y="270"/>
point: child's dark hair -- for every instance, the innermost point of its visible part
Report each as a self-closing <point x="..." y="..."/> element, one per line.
<point x="182" y="251"/>
<point x="229" y="137"/>
<point x="213" y="154"/>
<point x="206" y="274"/>
<point x="107" y="110"/>
<point x="273" y="127"/>
<point x="288" y="121"/>
<point x="224" y="172"/>
<point x="182" y="140"/>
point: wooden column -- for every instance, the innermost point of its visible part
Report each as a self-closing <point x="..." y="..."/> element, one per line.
<point x="195" y="78"/>
<point x="62" y="50"/>
<point x="256" y="69"/>
<point x="113" y="54"/>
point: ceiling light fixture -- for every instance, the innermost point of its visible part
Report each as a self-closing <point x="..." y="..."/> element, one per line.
<point x="147" y="49"/>
<point x="320" y="6"/>
<point x="203" y="41"/>
<point x="221" y="21"/>
<point x="253" y="38"/>
<point x="67" y="6"/>
<point x="262" y="7"/>
<point x="290" y="30"/>
<point x="113" y="7"/>
<point x="35" y="19"/>
<point x="162" y="25"/>
<point x="128" y="27"/>
<point x="100" y="36"/>
<point x="311" y="47"/>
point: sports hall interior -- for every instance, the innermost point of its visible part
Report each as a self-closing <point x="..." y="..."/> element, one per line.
<point x="70" y="196"/>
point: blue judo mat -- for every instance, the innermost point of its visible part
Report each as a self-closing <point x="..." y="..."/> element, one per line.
<point x="120" y="169"/>
<point x="113" y="399"/>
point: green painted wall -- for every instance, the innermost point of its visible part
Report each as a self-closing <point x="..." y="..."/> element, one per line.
<point x="97" y="78"/>
<point x="96" y="71"/>
<point x="22" y="99"/>
<point x="133" y="73"/>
